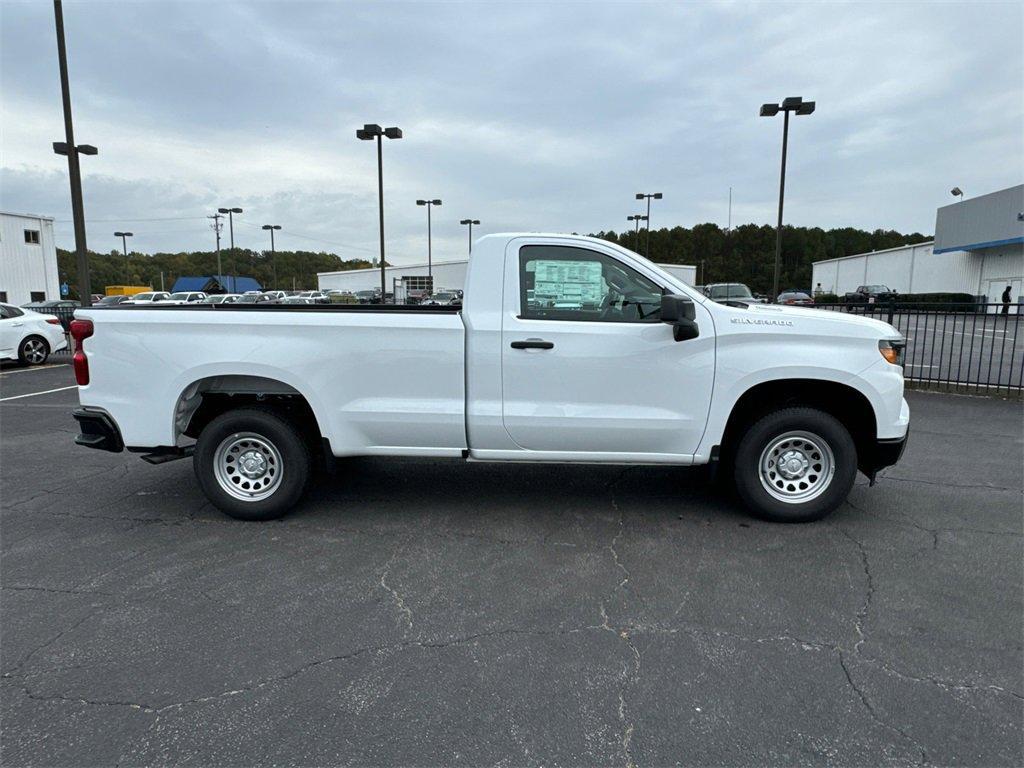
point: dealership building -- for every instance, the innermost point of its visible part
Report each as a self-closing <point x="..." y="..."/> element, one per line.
<point x="28" y="259"/>
<point x="978" y="250"/>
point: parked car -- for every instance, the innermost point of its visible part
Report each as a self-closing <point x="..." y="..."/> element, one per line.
<point x="795" y="298"/>
<point x="111" y="301"/>
<point x="318" y="297"/>
<point x="148" y="297"/>
<point x="96" y="298"/>
<point x="612" y="360"/>
<point x="184" y="297"/>
<point x="369" y="296"/>
<point x="253" y="298"/>
<point x="297" y="300"/>
<point x="275" y="295"/>
<point x="869" y="294"/>
<point x="221" y="298"/>
<point x="736" y="293"/>
<point x="442" y="299"/>
<point x="29" y="336"/>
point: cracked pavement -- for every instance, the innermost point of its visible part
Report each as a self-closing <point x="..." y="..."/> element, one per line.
<point x="417" y="612"/>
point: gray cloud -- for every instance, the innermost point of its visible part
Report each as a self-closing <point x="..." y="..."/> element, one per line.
<point x="527" y="116"/>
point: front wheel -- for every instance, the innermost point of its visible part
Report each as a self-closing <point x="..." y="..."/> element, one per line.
<point x="795" y="465"/>
<point x="252" y="464"/>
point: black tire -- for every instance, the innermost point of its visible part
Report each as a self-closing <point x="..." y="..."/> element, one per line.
<point x="809" y="426"/>
<point x="30" y="349"/>
<point x="287" y="452"/>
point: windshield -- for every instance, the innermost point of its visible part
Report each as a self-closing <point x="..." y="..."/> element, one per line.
<point x="366" y="293"/>
<point x="877" y="289"/>
<point x="730" y="291"/>
<point x="249" y="299"/>
<point x="178" y="296"/>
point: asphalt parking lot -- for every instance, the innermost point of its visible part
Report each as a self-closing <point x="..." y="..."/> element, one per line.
<point x="416" y="612"/>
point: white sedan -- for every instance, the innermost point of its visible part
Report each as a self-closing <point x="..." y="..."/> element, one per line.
<point x="29" y="336"/>
<point x="184" y="297"/>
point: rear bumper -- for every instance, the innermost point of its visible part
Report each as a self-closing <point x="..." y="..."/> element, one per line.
<point x="97" y="430"/>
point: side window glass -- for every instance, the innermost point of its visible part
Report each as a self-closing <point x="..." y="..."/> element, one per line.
<point x="565" y="283"/>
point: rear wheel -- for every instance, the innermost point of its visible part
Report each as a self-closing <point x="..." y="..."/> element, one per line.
<point x="252" y="464"/>
<point x="33" y="350"/>
<point x="795" y="465"/>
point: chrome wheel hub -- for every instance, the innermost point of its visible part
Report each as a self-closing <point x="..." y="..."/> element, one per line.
<point x="248" y="466"/>
<point x="796" y="467"/>
<point x="35" y="351"/>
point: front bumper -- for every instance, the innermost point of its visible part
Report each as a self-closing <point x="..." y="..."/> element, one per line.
<point x="882" y="454"/>
<point x="98" y="430"/>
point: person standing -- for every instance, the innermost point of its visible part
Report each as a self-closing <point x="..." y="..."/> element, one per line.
<point x="1006" y="301"/>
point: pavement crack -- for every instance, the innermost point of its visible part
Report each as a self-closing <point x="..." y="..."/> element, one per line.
<point x="862" y="613"/>
<point x="873" y="713"/>
<point x="395" y="594"/>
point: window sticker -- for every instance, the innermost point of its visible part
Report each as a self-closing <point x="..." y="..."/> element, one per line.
<point x="568" y="284"/>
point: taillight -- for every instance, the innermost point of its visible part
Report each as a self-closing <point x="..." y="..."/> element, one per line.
<point x="53" y="321"/>
<point x="80" y="331"/>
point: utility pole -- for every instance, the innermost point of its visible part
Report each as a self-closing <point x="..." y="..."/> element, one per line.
<point x="217" y="226"/>
<point x="68" y="147"/>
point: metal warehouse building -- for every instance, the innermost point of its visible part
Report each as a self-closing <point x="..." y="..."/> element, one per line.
<point x="978" y="250"/>
<point x="28" y="259"/>
<point x="447" y="274"/>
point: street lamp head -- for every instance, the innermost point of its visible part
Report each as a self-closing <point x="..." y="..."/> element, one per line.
<point x="393" y="133"/>
<point x="956" y="192"/>
<point x="235" y="210"/>
<point x="769" y="110"/>
<point x="120" y="234"/>
<point x="435" y="202"/>
<point x="271" y="226"/>
<point x="806" y="108"/>
<point x="87" y="149"/>
<point x="421" y="202"/>
<point x="222" y="210"/>
<point x="60" y="148"/>
<point x="470" y="221"/>
<point x="792" y="102"/>
<point x="369" y="132"/>
<point x="657" y="195"/>
<point x="639" y="195"/>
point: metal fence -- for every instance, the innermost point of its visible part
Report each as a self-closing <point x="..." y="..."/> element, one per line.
<point x="65" y="315"/>
<point x="972" y="347"/>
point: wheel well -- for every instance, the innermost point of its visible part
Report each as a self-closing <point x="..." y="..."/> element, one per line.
<point x="208" y="398"/>
<point x="843" y="402"/>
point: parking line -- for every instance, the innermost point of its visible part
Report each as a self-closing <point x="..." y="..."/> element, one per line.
<point x="33" y="394"/>
<point x="30" y="370"/>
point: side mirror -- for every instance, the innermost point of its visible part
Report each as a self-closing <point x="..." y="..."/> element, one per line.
<point x="679" y="311"/>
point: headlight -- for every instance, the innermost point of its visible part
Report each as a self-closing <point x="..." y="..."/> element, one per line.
<point x="892" y="350"/>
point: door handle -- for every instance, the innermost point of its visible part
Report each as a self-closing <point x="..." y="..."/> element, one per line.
<point x="533" y="344"/>
<point x="17" y="325"/>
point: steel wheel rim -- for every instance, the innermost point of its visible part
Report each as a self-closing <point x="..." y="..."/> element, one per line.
<point x="796" y="467"/>
<point x="35" y="351"/>
<point x="248" y="466"/>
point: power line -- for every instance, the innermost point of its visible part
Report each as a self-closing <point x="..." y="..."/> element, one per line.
<point x="290" y="233"/>
<point x="114" y="221"/>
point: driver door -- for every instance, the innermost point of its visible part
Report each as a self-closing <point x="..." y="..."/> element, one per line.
<point x="587" y="365"/>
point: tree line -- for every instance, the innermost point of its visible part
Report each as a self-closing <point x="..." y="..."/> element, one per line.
<point x="746" y="254"/>
<point x="282" y="270"/>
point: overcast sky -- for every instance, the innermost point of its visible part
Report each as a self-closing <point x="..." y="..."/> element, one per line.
<point x="527" y="116"/>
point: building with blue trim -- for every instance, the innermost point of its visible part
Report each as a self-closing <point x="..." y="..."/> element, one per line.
<point x="216" y="284"/>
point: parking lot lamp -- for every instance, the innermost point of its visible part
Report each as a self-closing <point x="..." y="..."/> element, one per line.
<point x="636" y="233"/>
<point x="231" y="234"/>
<point x="647" y="218"/>
<point x="273" y="254"/>
<point x="799" y="106"/>
<point x="369" y="132"/>
<point x="72" y="150"/>
<point x="470" y="222"/>
<point x="957" y="192"/>
<point x="124" y="247"/>
<point x="429" y="204"/>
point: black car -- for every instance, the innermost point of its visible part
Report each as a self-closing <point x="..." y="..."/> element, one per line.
<point x="795" y="298"/>
<point x="111" y="301"/>
<point x="869" y="294"/>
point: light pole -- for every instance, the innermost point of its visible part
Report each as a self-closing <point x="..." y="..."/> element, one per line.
<point x="231" y="231"/>
<point x="470" y="222"/>
<point x="636" y="234"/>
<point x="69" y="148"/>
<point x="273" y="254"/>
<point x="429" y="204"/>
<point x="647" y="218"/>
<point x="369" y="132"/>
<point x="124" y="248"/>
<point x="801" y="107"/>
<point x="957" y="192"/>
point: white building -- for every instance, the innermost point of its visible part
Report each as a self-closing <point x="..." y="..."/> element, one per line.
<point x="28" y="259"/>
<point x="447" y="274"/>
<point x="978" y="250"/>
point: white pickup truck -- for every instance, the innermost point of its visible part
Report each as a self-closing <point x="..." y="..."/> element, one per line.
<point x="566" y="349"/>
